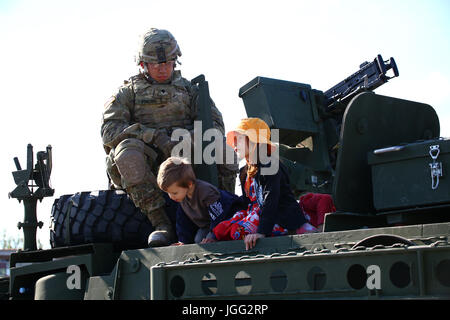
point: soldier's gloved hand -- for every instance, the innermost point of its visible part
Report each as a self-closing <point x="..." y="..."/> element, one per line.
<point x="138" y="131"/>
<point x="162" y="142"/>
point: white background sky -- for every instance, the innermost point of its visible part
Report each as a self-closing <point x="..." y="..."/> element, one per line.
<point x="60" y="61"/>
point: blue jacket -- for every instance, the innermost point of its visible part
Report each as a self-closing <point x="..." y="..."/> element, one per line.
<point x="221" y="210"/>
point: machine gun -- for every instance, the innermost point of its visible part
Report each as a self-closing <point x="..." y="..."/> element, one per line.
<point x="26" y="180"/>
<point x="309" y="121"/>
<point x="369" y="77"/>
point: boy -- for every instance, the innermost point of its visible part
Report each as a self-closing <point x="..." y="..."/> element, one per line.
<point x="202" y="205"/>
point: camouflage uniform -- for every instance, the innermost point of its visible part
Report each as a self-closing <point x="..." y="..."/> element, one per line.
<point x="137" y="123"/>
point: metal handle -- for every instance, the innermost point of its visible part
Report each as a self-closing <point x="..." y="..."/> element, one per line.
<point x="435" y="167"/>
<point x="389" y="149"/>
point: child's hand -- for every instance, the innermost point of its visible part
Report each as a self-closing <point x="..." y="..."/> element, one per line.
<point x="179" y="243"/>
<point x="250" y="240"/>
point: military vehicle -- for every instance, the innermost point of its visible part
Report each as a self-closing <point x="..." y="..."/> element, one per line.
<point x="381" y="158"/>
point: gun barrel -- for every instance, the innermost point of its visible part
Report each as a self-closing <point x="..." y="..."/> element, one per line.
<point x="369" y="77"/>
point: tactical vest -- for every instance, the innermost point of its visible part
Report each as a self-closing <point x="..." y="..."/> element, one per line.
<point x="163" y="105"/>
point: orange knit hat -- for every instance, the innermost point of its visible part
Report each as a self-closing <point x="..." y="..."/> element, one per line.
<point x="255" y="129"/>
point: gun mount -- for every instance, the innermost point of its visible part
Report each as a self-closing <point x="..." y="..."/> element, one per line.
<point x="341" y="141"/>
<point x="309" y="121"/>
<point x="26" y="181"/>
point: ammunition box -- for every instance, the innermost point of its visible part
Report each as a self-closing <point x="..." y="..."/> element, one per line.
<point x="411" y="175"/>
<point x="288" y="106"/>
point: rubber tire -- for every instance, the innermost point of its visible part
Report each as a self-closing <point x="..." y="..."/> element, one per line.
<point x="98" y="216"/>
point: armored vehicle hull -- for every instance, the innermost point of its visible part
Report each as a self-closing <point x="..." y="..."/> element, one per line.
<point x="384" y="263"/>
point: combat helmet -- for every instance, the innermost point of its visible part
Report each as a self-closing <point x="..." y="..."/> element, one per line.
<point x="157" y="46"/>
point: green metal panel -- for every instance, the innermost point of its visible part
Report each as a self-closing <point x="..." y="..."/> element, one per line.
<point x="403" y="272"/>
<point x="28" y="267"/>
<point x="54" y="287"/>
<point x="304" y="178"/>
<point x="207" y="172"/>
<point x="372" y="122"/>
<point x="283" y="105"/>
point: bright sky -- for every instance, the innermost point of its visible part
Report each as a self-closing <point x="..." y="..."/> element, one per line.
<point x="60" y="61"/>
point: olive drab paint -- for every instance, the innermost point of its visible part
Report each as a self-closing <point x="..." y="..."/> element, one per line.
<point x="348" y="142"/>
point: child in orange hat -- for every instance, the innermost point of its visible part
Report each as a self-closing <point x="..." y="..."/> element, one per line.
<point x="271" y="206"/>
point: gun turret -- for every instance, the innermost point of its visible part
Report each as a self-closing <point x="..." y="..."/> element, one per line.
<point x="309" y="121"/>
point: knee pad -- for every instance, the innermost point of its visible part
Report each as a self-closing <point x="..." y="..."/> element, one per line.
<point x="131" y="162"/>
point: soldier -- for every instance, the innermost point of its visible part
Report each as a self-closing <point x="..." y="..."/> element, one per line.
<point x="138" y="121"/>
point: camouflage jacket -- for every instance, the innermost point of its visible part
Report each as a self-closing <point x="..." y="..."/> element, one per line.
<point x="140" y="104"/>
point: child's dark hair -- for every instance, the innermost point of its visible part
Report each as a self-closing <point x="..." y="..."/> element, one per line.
<point x="175" y="170"/>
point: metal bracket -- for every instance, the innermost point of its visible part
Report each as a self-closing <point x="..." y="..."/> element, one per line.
<point x="27" y="180"/>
